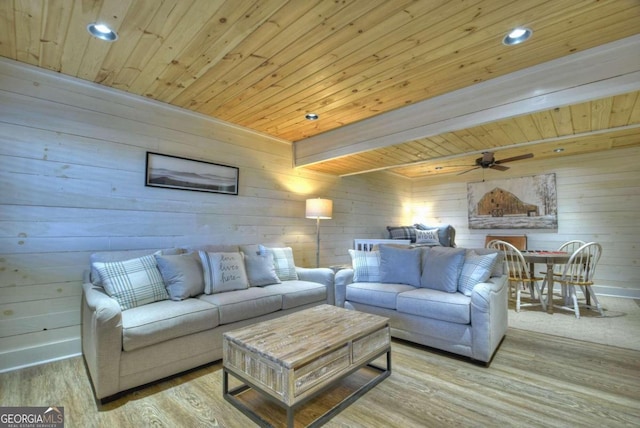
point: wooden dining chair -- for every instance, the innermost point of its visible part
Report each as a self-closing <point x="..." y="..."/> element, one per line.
<point x="578" y="273"/>
<point x="519" y="274"/>
<point x="568" y="247"/>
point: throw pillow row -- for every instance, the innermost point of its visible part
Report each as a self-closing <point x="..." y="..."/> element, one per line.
<point x="147" y="279"/>
<point x="439" y="268"/>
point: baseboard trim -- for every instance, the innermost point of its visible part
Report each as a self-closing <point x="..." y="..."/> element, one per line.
<point x="37" y="355"/>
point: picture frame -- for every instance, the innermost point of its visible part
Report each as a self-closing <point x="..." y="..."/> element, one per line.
<point x="514" y="203"/>
<point x="176" y="172"/>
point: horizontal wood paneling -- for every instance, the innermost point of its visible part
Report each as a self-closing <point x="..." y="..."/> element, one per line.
<point x="72" y="167"/>
<point x="597" y="201"/>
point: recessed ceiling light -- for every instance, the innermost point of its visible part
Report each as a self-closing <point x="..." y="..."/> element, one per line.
<point x="102" y="32"/>
<point x="558" y="150"/>
<point x="311" y="116"/>
<point x="517" y="35"/>
<point x="438" y="168"/>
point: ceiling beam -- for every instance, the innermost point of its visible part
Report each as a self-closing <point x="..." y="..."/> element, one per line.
<point x="600" y="72"/>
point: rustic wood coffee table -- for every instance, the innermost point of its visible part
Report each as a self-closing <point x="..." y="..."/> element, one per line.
<point x="294" y="358"/>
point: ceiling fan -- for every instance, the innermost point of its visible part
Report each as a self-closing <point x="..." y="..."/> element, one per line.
<point x="489" y="161"/>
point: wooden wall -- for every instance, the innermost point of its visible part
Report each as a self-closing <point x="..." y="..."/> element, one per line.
<point x="72" y="172"/>
<point x="598" y="200"/>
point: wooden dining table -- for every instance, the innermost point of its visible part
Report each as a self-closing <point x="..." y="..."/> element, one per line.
<point x="549" y="258"/>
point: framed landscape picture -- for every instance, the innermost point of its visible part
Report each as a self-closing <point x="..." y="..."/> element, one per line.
<point x="189" y="174"/>
<point x="514" y="203"/>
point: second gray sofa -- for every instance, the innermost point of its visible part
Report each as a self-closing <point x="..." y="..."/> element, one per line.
<point x="446" y="298"/>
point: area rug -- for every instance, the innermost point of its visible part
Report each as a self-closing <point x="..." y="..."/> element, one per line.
<point x="619" y="327"/>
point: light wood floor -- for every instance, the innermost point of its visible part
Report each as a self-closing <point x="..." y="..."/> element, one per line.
<point x="534" y="380"/>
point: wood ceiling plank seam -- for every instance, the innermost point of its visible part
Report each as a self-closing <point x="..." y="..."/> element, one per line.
<point x="55" y="22"/>
<point x="216" y="52"/>
<point x="349" y="52"/>
<point x="7" y="30"/>
<point x="221" y="33"/>
<point x="581" y="117"/>
<point x="324" y="49"/>
<point x="138" y="17"/>
<point x="163" y="21"/>
<point x="415" y="64"/>
<point x="255" y="52"/>
<point x="621" y="109"/>
<point x="534" y="51"/>
<point x="561" y="117"/>
<point x="408" y="58"/>
<point x="77" y="37"/>
<point x="634" y="117"/>
<point x="545" y="124"/>
<point x="496" y="137"/>
<point x="191" y="24"/>
<point x="28" y="29"/>
<point x="511" y="128"/>
<point x="469" y="137"/>
<point x="111" y="13"/>
<point x="482" y="135"/>
<point x="600" y="113"/>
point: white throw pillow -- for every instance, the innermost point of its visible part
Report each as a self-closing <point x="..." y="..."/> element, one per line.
<point x="429" y="237"/>
<point x="133" y="282"/>
<point x="223" y="272"/>
<point x="476" y="269"/>
<point x="366" y="265"/>
<point x="282" y="261"/>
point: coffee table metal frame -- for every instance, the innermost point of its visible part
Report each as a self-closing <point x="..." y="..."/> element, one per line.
<point x="230" y="395"/>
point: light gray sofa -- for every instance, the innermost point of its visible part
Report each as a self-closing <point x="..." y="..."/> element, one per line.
<point x="469" y="320"/>
<point x="126" y="348"/>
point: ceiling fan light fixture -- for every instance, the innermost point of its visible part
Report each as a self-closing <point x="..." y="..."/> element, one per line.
<point x="517" y="36"/>
<point x="102" y="32"/>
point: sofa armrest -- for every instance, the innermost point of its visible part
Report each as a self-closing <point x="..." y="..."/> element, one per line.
<point x="489" y="309"/>
<point x="101" y="339"/>
<point x="320" y="275"/>
<point x="343" y="278"/>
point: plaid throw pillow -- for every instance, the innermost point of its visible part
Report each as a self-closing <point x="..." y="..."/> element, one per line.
<point x="402" y="232"/>
<point x="366" y="265"/>
<point x="283" y="262"/>
<point x="476" y="269"/>
<point x="134" y="282"/>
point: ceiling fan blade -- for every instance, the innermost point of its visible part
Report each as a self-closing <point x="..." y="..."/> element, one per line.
<point x="464" y="172"/>
<point x="499" y="167"/>
<point x="515" y="158"/>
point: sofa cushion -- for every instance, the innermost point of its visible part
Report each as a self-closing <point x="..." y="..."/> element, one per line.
<point x="424" y="302"/>
<point x="441" y="267"/>
<point x="182" y="275"/>
<point x="428" y="237"/>
<point x="223" y="272"/>
<point x="375" y="293"/>
<point x="244" y="304"/>
<point x="366" y="265"/>
<point x="118" y="256"/>
<point x="476" y="268"/>
<point x="298" y="293"/>
<point x="283" y="262"/>
<point x="446" y="233"/>
<point x="161" y="321"/>
<point x="402" y="232"/>
<point x="260" y="269"/>
<point x="498" y="267"/>
<point x="133" y="282"/>
<point x="400" y="265"/>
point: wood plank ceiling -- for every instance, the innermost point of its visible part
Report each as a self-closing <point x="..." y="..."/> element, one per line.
<point x="264" y="64"/>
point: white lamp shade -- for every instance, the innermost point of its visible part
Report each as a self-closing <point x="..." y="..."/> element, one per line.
<point x="319" y="208"/>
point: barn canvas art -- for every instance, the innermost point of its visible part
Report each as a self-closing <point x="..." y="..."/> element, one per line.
<point x="514" y="203"/>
